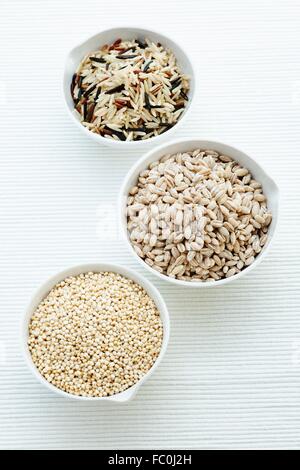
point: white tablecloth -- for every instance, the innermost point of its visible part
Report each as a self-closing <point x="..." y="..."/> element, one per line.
<point x="231" y="376"/>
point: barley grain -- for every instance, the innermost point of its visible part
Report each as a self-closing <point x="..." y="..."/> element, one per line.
<point x="213" y="217"/>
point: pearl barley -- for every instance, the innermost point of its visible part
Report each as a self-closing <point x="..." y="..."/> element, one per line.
<point x="197" y="216"/>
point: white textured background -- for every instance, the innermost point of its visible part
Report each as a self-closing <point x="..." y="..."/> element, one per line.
<point x="231" y="377"/>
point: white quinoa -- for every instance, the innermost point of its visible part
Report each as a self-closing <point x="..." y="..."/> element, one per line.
<point x="95" y="334"/>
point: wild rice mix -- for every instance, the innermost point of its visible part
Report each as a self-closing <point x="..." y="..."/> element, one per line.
<point x="129" y="90"/>
<point x="197" y="216"/>
<point x="95" y="334"/>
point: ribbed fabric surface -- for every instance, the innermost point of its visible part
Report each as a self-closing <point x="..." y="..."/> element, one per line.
<point x="231" y="376"/>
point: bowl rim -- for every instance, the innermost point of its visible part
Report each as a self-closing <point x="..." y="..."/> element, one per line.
<point x="134" y="143"/>
<point x="37" y="296"/>
<point x="123" y="227"/>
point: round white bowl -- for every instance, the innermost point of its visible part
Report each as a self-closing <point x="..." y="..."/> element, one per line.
<point x="45" y="288"/>
<point x="105" y="37"/>
<point x="270" y="189"/>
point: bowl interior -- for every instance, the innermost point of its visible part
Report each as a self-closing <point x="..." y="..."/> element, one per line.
<point x="42" y="292"/>
<point x="270" y="189"/>
<point x="106" y="37"/>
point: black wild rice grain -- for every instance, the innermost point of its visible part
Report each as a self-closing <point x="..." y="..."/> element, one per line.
<point x="184" y="95"/>
<point x="84" y="110"/>
<point x="147" y="65"/>
<point x="90" y="112"/>
<point x="79" y="83"/>
<point x="141" y="44"/>
<point x="132" y="48"/>
<point x="106" y="131"/>
<point x="137" y="129"/>
<point x="119" y="134"/>
<point x="165" y="128"/>
<point x="176" y="83"/>
<point x="73" y="83"/>
<point x="116" y="89"/>
<point x="147" y="102"/>
<point x="179" y="104"/>
<point x="98" y="59"/>
<point x="98" y="93"/>
<point x="128" y="56"/>
<point x="89" y="90"/>
<point x="148" y="105"/>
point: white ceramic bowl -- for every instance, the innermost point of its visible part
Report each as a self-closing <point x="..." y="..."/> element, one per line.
<point x="269" y="187"/>
<point x="99" y="267"/>
<point x="106" y="37"/>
